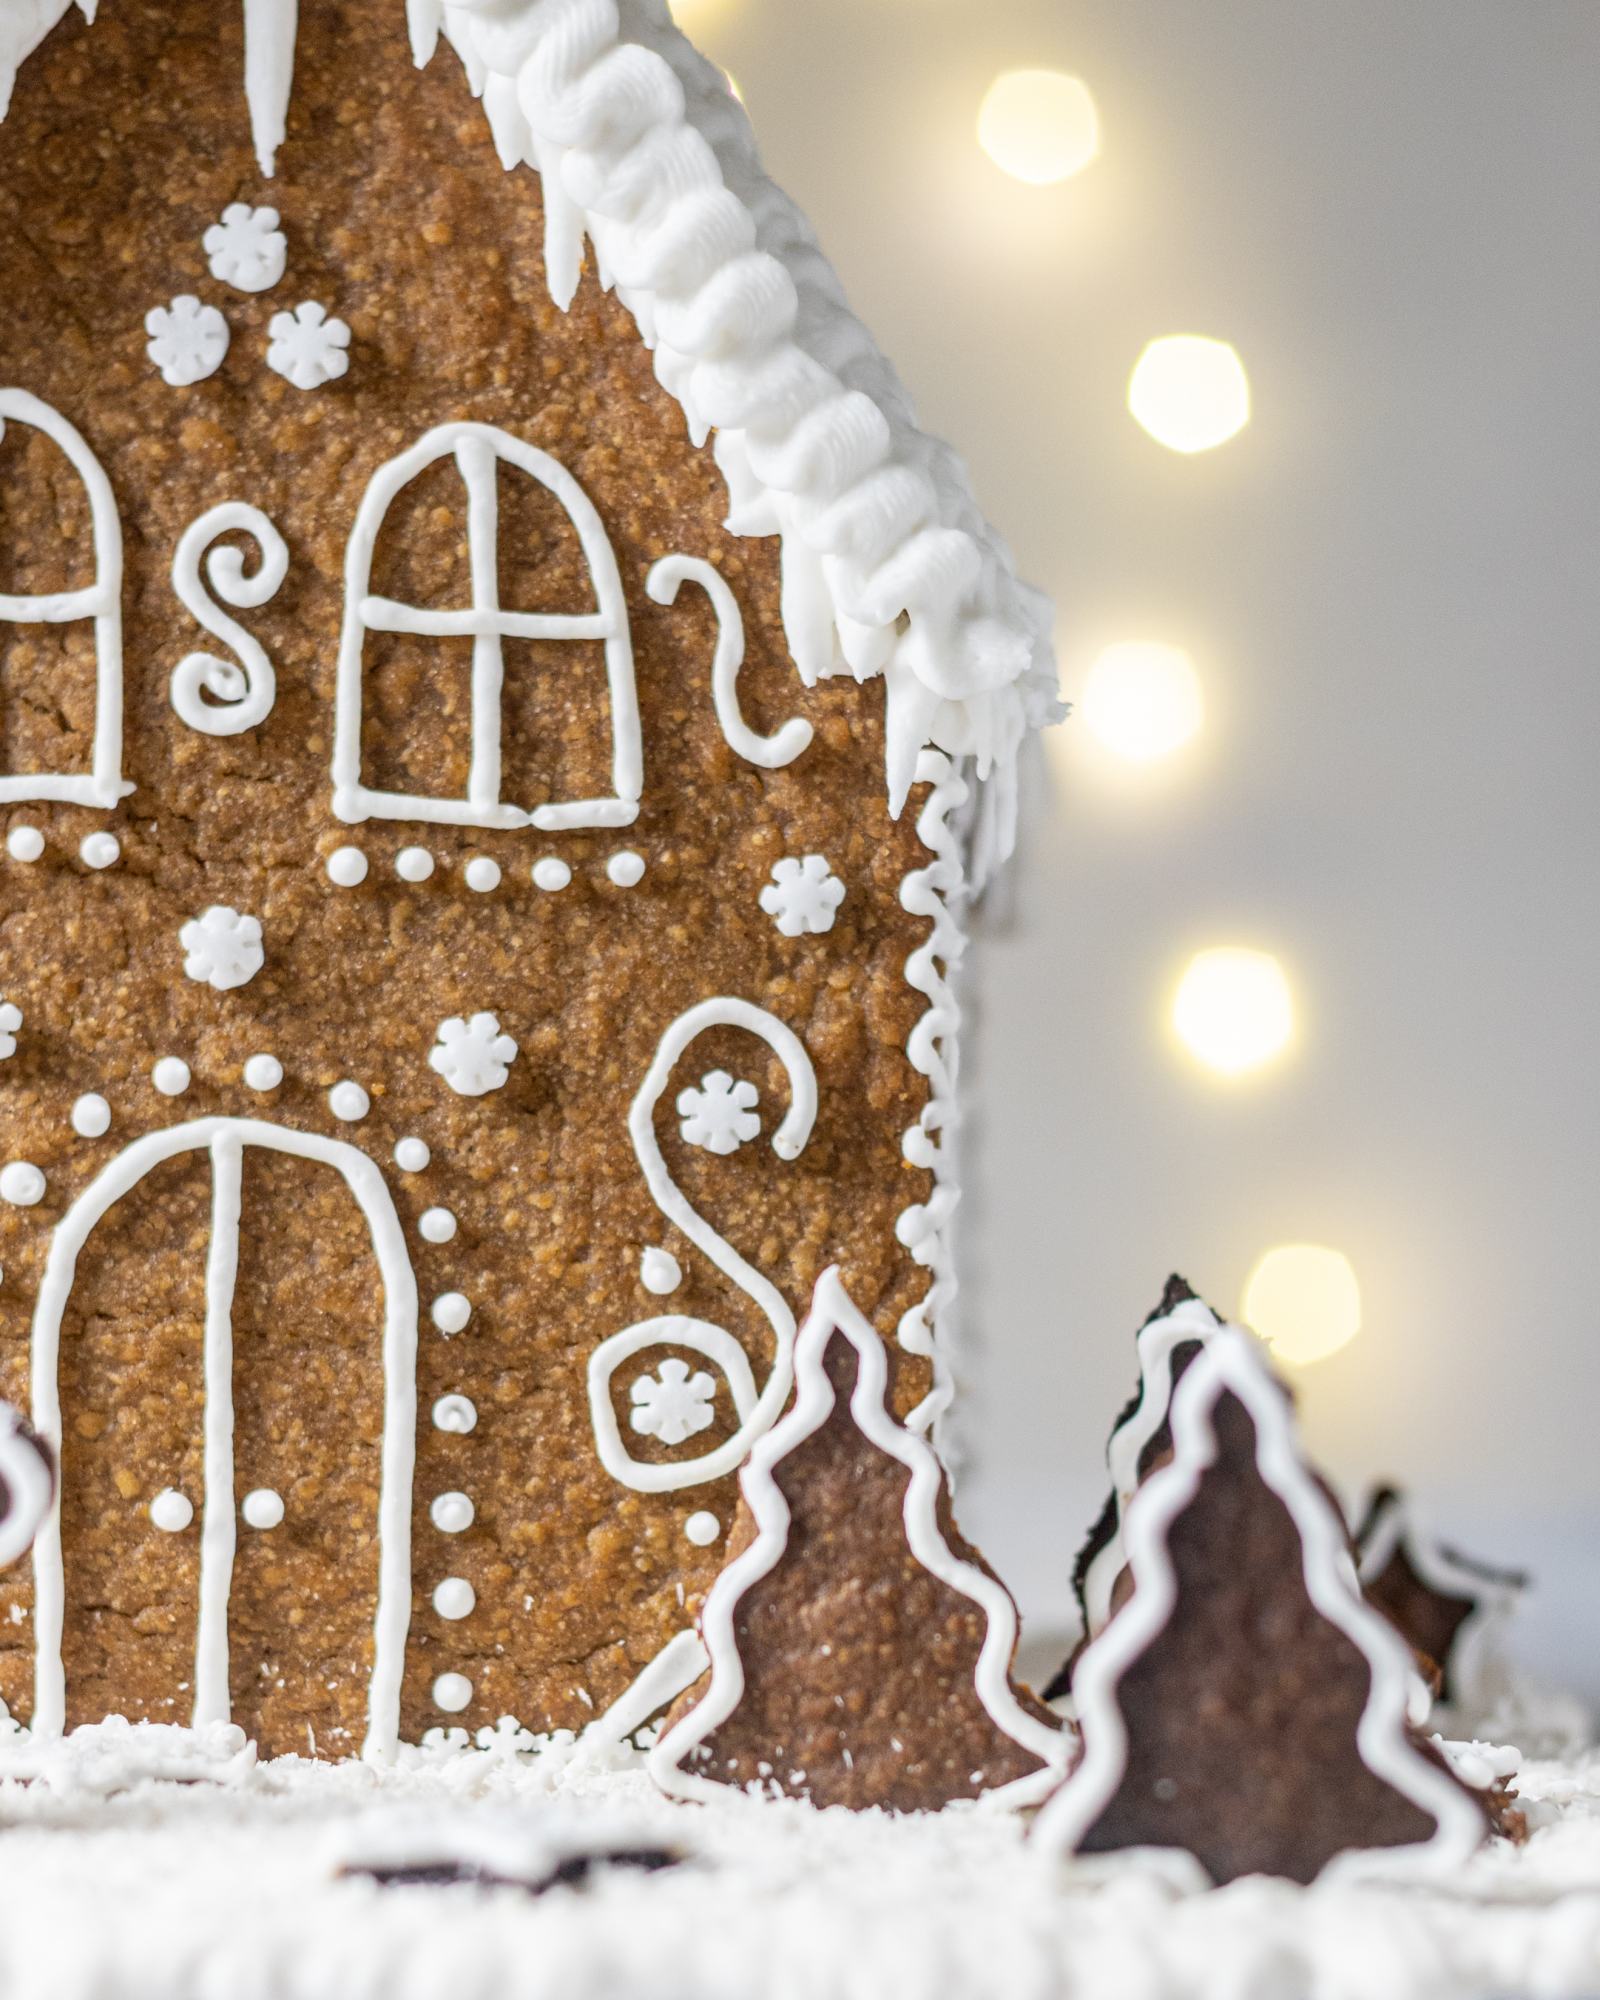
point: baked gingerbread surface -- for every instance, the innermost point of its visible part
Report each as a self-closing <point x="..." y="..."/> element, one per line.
<point x="122" y="146"/>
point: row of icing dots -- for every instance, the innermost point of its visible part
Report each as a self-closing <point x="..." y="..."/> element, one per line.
<point x="349" y="866"/>
<point x="95" y="850"/>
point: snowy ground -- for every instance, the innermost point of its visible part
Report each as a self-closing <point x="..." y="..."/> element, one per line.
<point x="221" y="1880"/>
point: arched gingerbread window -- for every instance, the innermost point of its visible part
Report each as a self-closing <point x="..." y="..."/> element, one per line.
<point x="99" y="603"/>
<point x="479" y="450"/>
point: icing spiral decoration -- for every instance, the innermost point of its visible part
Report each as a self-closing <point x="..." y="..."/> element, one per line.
<point x="756" y="1409"/>
<point x="243" y="692"/>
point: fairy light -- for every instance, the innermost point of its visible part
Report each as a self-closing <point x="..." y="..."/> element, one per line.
<point x="1039" y="125"/>
<point x="1142" y="700"/>
<point x="1190" y="393"/>
<point x="1305" y="1301"/>
<point x="1233" y="1010"/>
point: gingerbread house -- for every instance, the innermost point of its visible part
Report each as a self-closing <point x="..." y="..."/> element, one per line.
<point x="501" y="713"/>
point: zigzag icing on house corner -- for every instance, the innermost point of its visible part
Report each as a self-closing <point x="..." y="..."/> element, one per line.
<point x="833" y="1311"/>
<point x="1232" y="1364"/>
<point x="888" y="567"/>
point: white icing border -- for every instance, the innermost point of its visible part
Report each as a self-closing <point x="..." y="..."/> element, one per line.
<point x="225" y="1139"/>
<point x="1232" y="1363"/>
<point x="1192" y="1319"/>
<point x="832" y="1312"/>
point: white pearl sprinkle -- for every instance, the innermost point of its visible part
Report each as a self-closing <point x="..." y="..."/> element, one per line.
<point x="659" y="1271"/>
<point x="438" y="1225"/>
<point x="412" y="1155"/>
<point x="456" y="1414"/>
<point x="91" y="1116"/>
<point x="702" y="1529"/>
<point x="171" y="1076"/>
<point x="99" y="850"/>
<point x="349" y="1102"/>
<point x="25" y="843"/>
<point x="454" y="1598"/>
<point x="626" y="869"/>
<point x="451" y="1311"/>
<point x="262" y="1509"/>
<point x="263" y="1072"/>
<point x="347" y="866"/>
<point x="482" y="874"/>
<point x="413" y="864"/>
<point x="171" y="1511"/>
<point x="21" y="1183"/>
<point x="452" y="1692"/>
<point x="551" y="873"/>
<point x="452" y="1513"/>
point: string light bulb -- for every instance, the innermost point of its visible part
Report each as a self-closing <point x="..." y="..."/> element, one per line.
<point x="1233" y="1010"/>
<point x="1190" y="393"/>
<point x="1142" y="700"/>
<point x="1305" y="1301"/>
<point x="1039" y="125"/>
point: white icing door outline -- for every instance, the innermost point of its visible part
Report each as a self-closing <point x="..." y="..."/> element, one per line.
<point x="101" y="602"/>
<point x="478" y="450"/>
<point x="225" y="1139"/>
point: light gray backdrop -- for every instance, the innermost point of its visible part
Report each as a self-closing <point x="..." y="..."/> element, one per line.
<point x="1390" y="585"/>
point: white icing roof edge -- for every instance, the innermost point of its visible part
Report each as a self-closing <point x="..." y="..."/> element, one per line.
<point x="888" y="566"/>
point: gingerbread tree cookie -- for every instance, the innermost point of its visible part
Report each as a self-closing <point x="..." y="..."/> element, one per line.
<point x="860" y="1650"/>
<point x="1452" y="1608"/>
<point x="1244" y="1707"/>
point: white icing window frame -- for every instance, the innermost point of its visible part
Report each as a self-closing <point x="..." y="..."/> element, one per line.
<point x="100" y="603"/>
<point x="226" y="1139"/>
<point x="478" y="449"/>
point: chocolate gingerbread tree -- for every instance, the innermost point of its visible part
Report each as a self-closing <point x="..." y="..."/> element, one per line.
<point x="1452" y="1608"/>
<point x="860" y="1649"/>
<point x="1244" y="1707"/>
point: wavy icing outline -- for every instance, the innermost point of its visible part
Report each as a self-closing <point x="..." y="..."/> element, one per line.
<point x="833" y="1311"/>
<point x="1231" y="1363"/>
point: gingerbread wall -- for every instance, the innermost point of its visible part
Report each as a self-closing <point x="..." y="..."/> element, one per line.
<point x="123" y="144"/>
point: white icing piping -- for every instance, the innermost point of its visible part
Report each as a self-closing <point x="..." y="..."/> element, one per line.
<point x="1191" y="1320"/>
<point x="679" y="1664"/>
<point x="101" y="601"/>
<point x="888" y="567"/>
<point x="249" y="689"/>
<point x="756" y="1413"/>
<point x="768" y="753"/>
<point x="225" y="1138"/>
<point x="1232" y="1364"/>
<point x="269" y="39"/>
<point x="29" y="1483"/>
<point x="832" y="1311"/>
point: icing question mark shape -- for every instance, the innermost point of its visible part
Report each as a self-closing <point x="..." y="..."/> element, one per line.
<point x="242" y="692"/>
<point x="27" y="1485"/>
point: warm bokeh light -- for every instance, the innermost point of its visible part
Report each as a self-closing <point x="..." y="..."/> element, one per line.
<point x="1191" y="394"/>
<point x="694" y="16"/>
<point x="1233" y="1009"/>
<point x="1304" y="1300"/>
<point x="1142" y="699"/>
<point x="1039" y="125"/>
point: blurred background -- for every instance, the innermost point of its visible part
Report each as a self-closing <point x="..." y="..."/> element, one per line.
<point x="1301" y="947"/>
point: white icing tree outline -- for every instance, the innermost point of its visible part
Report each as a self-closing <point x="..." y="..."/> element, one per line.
<point x="834" y="1312"/>
<point x="225" y="1139"/>
<point x="478" y="450"/>
<point x="101" y="602"/>
<point x="1232" y="1363"/>
<point x="1191" y="1319"/>
<point x="755" y="1412"/>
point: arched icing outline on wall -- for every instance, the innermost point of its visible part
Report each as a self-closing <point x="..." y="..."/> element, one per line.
<point x="756" y="1413"/>
<point x="100" y="602"/>
<point x="478" y="450"/>
<point x="225" y="1139"/>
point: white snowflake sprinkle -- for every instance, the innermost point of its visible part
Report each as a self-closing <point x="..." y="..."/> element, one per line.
<point x="720" y="1115"/>
<point x="223" y="948"/>
<point x="246" y="248"/>
<point x="672" y="1404"/>
<point x="308" y="348"/>
<point x="10" y="1021"/>
<point x="472" y="1056"/>
<point x="187" y="340"/>
<point x="803" y="895"/>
